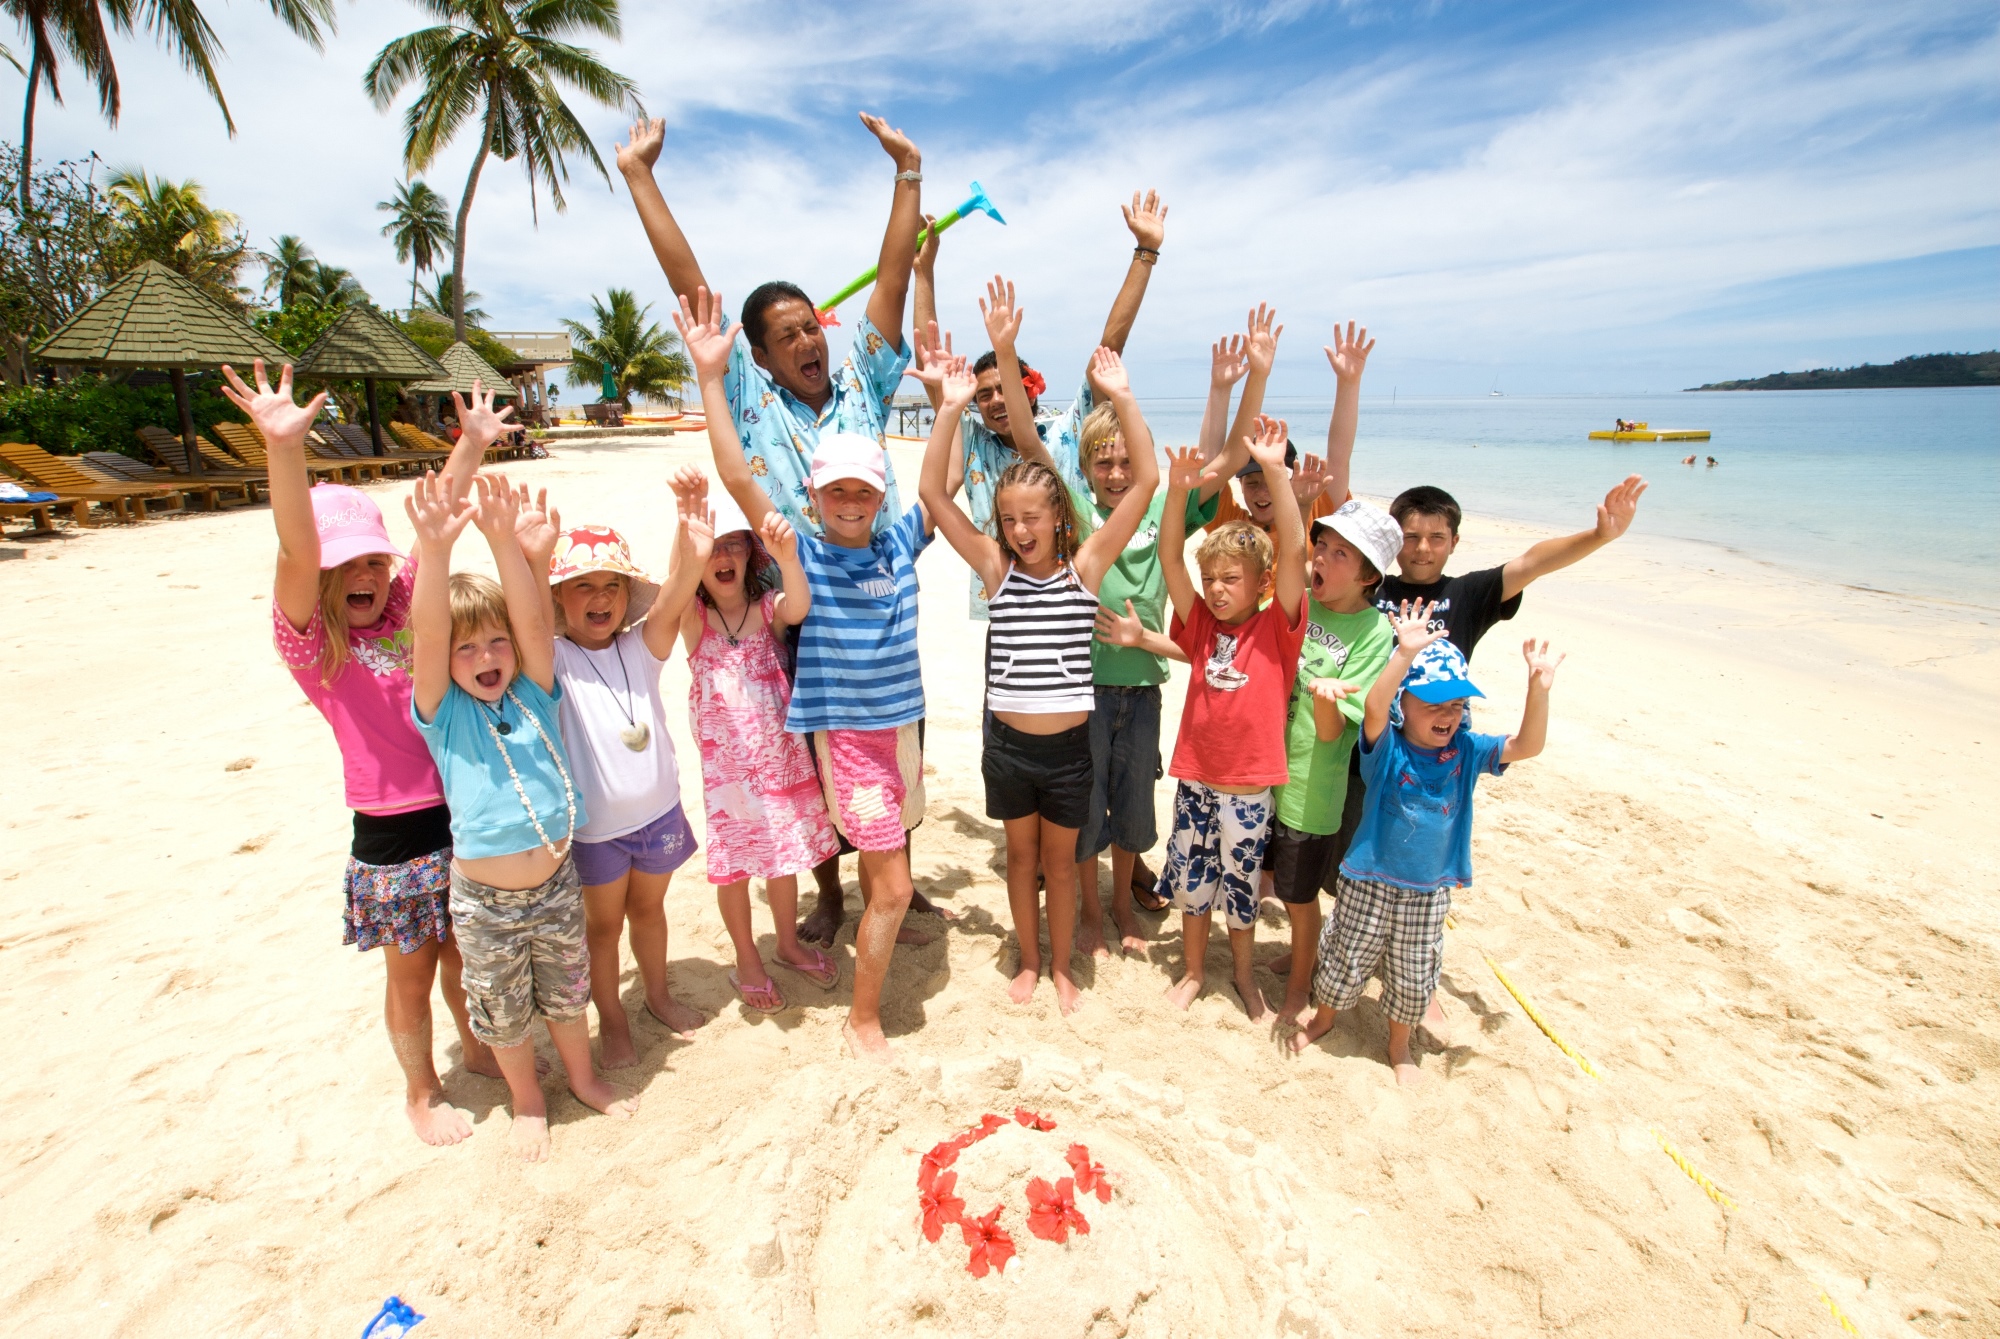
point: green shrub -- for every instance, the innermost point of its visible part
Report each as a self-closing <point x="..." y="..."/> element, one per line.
<point x="91" y="413"/>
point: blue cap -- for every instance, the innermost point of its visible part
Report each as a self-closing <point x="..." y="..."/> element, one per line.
<point x="1439" y="674"/>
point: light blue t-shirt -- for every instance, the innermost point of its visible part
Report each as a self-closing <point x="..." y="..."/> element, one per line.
<point x="780" y="431"/>
<point x="487" y="818"/>
<point x="1416" y="820"/>
<point x="858" y="667"/>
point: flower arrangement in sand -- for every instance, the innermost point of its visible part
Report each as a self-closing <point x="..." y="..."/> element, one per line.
<point x="1052" y="1209"/>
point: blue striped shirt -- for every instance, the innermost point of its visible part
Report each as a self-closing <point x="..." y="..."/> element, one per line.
<point x="858" y="666"/>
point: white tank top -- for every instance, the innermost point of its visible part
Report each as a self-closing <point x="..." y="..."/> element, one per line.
<point x="1038" y="644"/>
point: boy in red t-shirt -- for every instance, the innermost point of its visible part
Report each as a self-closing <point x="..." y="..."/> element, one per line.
<point x="1231" y="749"/>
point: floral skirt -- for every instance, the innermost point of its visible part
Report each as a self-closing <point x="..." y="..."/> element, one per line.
<point x="407" y="905"/>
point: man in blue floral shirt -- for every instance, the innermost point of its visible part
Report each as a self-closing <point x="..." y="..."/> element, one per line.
<point x="782" y="388"/>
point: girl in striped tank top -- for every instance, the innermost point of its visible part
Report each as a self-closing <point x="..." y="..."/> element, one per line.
<point x="1044" y="576"/>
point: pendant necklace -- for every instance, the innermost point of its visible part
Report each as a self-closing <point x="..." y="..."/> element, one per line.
<point x="499" y="717"/>
<point x="637" y="733"/>
<point x="733" y="634"/>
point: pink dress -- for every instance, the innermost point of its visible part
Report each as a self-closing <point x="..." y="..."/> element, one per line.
<point x="766" y="816"/>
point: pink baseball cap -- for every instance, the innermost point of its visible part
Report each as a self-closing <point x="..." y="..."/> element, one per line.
<point x="350" y="525"/>
<point x="849" y="455"/>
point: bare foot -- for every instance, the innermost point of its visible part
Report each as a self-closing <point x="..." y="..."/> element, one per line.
<point x="601" y="1096"/>
<point x="1023" y="985"/>
<point x="529" y="1138"/>
<point x="1280" y="965"/>
<point x="1314" y="1028"/>
<point x="823" y="926"/>
<point x="1132" y="945"/>
<point x="1407" y="1074"/>
<point x="436" y="1121"/>
<point x="924" y="906"/>
<point x="1253" y="998"/>
<point x="1293" y="1011"/>
<point x="677" y="1018"/>
<point x="486" y="1067"/>
<point x="1090" y="941"/>
<point x="614" y="1047"/>
<point x="1068" y="998"/>
<point x="1435" y="1022"/>
<point x="867" y="1044"/>
<point x="1182" y="992"/>
<point x="909" y="934"/>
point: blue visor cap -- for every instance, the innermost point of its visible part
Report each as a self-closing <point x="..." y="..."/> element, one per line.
<point x="1439" y="675"/>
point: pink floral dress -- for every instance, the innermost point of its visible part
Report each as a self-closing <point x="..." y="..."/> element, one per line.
<point x="766" y="816"/>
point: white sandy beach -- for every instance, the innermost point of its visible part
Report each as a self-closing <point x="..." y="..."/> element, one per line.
<point x="1752" y="879"/>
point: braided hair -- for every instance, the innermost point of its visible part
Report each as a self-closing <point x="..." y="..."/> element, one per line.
<point x="1033" y="474"/>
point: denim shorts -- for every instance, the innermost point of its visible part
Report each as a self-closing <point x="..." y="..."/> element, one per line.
<point x="1124" y="768"/>
<point x="661" y="847"/>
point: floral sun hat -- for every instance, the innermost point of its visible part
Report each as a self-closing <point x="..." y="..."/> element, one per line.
<point x="598" y="548"/>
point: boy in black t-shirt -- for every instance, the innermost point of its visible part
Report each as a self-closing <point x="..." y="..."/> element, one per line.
<point x="1471" y="603"/>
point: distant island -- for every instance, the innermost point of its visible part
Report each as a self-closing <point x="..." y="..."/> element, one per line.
<point x="1930" y="369"/>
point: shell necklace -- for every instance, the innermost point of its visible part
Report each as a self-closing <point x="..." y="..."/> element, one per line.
<point x="569" y="791"/>
<point x="637" y="733"/>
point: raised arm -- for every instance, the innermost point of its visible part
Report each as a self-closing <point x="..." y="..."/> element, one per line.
<point x="479" y="427"/>
<point x="1526" y="742"/>
<point x="670" y="244"/>
<point x="439" y="519"/>
<point x="1288" y="581"/>
<point x="923" y="279"/>
<point x="794" y="593"/>
<point x="1184" y="471"/>
<point x="675" y="608"/>
<point x="1147" y="219"/>
<point x="284" y="424"/>
<point x="1260" y="351"/>
<point x="537" y="526"/>
<point x="1413" y="634"/>
<point x="497" y="512"/>
<point x="980" y="550"/>
<point x="707" y="342"/>
<point x="899" y="239"/>
<point x="1226" y="366"/>
<point x="1108" y="382"/>
<point x="1614" y="518"/>
<point x="1348" y="357"/>
<point x="1003" y="327"/>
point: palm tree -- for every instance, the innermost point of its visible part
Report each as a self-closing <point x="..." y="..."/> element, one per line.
<point x="331" y="285"/>
<point x="437" y="300"/>
<point x="173" y="223"/>
<point x="643" y="358"/>
<point x="77" y="29"/>
<point x="500" y="60"/>
<point x="287" y="266"/>
<point x="419" y="226"/>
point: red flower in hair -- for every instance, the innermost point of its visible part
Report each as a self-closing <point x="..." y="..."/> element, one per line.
<point x="941" y="1206"/>
<point x="826" y="318"/>
<point x="1033" y="1121"/>
<point x="1089" y="1175"/>
<point x="991" y="1247"/>
<point x="1032" y="381"/>
<point x="1052" y="1214"/>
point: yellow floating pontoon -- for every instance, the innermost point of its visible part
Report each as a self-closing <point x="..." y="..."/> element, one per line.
<point x="1639" y="432"/>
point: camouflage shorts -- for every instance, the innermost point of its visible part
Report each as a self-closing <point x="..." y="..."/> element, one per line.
<point x="524" y="953"/>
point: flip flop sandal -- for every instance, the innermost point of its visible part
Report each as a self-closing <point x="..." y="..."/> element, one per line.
<point x="1149" y="899"/>
<point x="765" y="999"/>
<point x="819" y="969"/>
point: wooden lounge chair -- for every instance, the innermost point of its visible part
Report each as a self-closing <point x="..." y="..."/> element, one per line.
<point x="126" y="500"/>
<point x="247" y="445"/>
<point x="216" y="464"/>
<point x="115" y="468"/>
<point x="43" y="513"/>
<point x="416" y="439"/>
<point x="358" y="440"/>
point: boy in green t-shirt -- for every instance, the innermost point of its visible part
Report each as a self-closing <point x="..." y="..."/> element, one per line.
<point x="1347" y="643"/>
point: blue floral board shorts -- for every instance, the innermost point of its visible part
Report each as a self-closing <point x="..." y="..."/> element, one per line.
<point x="1216" y="852"/>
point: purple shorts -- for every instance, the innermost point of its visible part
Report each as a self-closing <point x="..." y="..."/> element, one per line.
<point x="661" y="847"/>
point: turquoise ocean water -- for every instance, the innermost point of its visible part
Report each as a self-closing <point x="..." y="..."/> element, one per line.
<point x="1889" y="490"/>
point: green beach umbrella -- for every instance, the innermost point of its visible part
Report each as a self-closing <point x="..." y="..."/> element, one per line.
<point x="609" y="390"/>
<point x="156" y="318"/>
<point x="363" y="343"/>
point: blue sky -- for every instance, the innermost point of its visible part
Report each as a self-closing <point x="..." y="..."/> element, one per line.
<point x="1559" y="197"/>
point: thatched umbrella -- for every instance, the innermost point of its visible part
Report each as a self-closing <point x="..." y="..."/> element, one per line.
<point x="362" y="343"/>
<point x="156" y="318"/>
<point x="463" y="366"/>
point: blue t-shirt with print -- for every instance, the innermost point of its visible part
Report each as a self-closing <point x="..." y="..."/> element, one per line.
<point x="780" y="431"/>
<point x="1416" y="820"/>
<point x="487" y="817"/>
<point x="858" y="667"/>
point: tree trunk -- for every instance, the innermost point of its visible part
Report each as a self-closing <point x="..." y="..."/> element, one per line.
<point x="464" y="210"/>
<point x="414" y="272"/>
<point x="28" y="129"/>
<point x="374" y="415"/>
<point x="180" y="381"/>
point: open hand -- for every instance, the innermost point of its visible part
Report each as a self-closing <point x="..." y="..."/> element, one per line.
<point x="702" y="331"/>
<point x="1541" y="665"/>
<point x="537" y="526"/>
<point x="437" y="517"/>
<point x="780" y="540"/>
<point x="929" y="344"/>
<point x="696" y="537"/>
<point x="1003" y="318"/>
<point x="282" y="421"/>
<point x="690" y="485"/>
<point x="1226" y="362"/>
<point x="499" y="506"/>
<point x="1348" y="354"/>
<point x="1308" y="478"/>
<point x="1147" y="219"/>
<point x="1620" y="505"/>
<point x="1262" y="346"/>
<point x="1334" y="690"/>
<point x="478" y="420"/>
<point x="1187" y="468"/>
<point x="1413" y="625"/>
<point x="648" y="138"/>
<point x="1115" y="629"/>
<point x="1267" y="446"/>
<point x="1107" y="374"/>
<point x="894" y="143"/>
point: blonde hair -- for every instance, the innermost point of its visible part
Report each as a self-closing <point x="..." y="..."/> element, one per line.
<point x="476" y="602"/>
<point x="1030" y="474"/>
<point x="1100" y="429"/>
<point x="1237" y="541"/>
<point x="332" y="614"/>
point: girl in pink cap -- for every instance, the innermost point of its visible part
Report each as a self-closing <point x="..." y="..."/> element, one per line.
<point x="340" y="615"/>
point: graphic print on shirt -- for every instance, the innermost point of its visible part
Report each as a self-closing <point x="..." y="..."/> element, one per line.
<point x="1437" y="624"/>
<point x="1435" y="798"/>
<point x="1221" y="670"/>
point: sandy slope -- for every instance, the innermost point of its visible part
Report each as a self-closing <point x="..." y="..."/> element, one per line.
<point x="1752" y="880"/>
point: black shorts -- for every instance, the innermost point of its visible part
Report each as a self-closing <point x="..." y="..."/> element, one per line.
<point x="1029" y="774"/>
<point x="1350" y="823"/>
<point x="397" y="839"/>
<point x="1300" y="862"/>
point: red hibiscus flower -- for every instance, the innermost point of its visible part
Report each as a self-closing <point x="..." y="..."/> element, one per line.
<point x="1033" y="1121"/>
<point x="991" y="1247"/>
<point x="935" y="1161"/>
<point x="1089" y="1175"/>
<point x="987" y="1125"/>
<point x="827" y="318"/>
<point x="1053" y="1214"/>
<point x="1032" y="381"/>
<point x="941" y="1206"/>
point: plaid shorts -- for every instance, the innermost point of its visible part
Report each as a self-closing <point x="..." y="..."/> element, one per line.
<point x="1380" y="929"/>
<point x="524" y="953"/>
